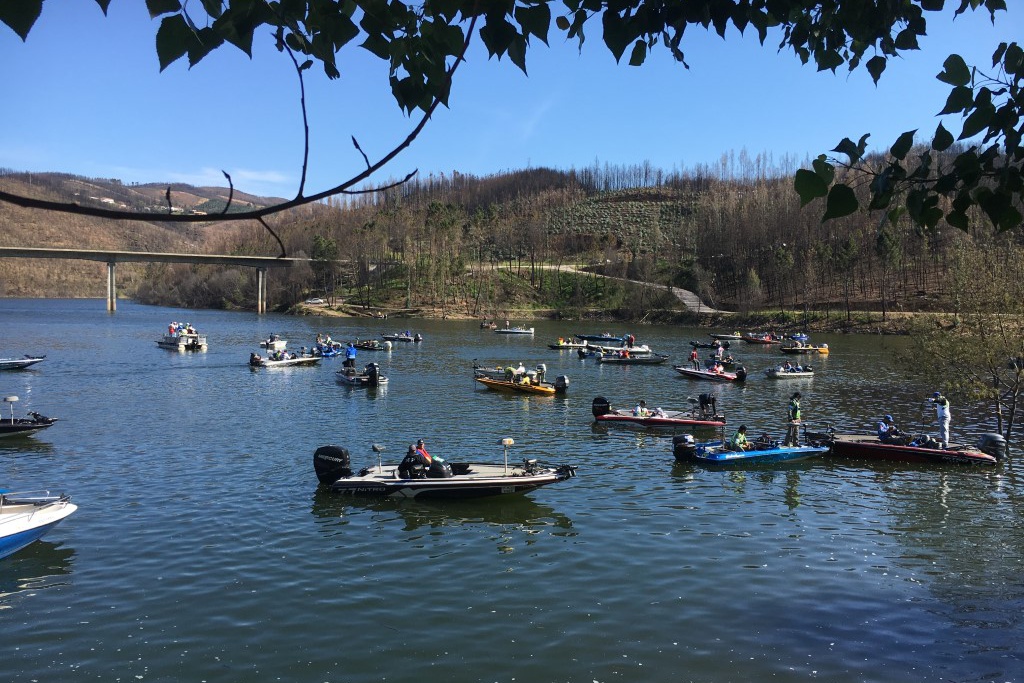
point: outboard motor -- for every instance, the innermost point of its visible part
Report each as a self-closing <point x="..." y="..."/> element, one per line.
<point x="741" y="373"/>
<point x="332" y="463"/>
<point x="600" y="406"/>
<point x="561" y="384"/>
<point x="541" y="371"/>
<point x="373" y="375"/>
<point x="684" y="448"/>
<point x="993" y="444"/>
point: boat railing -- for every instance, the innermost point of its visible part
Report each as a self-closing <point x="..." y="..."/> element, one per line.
<point x="31" y="499"/>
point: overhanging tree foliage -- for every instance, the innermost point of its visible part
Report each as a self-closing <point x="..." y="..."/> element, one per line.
<point x="424" y="43"/>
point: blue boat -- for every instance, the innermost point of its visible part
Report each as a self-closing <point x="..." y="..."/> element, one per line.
<point x="764" y="450"/>
<point x="27" y="517"/>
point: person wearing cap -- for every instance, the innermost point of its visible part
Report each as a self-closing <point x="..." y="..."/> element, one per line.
<point x="942" y="414"/>
<point x="350" y="356"/>
<point x="793" y="413"/>
<point x="641" y="409"/>
<point x="435" y="465"/>
<point x="887" y="430"/>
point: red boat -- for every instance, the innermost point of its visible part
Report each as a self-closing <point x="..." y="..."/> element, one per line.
<point x="761" y="338"/>
<point x="991" y="449"/>
<point x="700" y="415"/>
<point x="738" y="376"/>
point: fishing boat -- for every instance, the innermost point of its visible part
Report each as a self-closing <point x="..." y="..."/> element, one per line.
<point x="990" y="450"/>
<point x="604" y="338"/>
<point x="801" y="348"/>
<point x="735" y="336"/>
<point x="709" y="345"/>
<point x="282" y="359"/>
<point x="274" y="343"/>
<point x="793" y="372"/>
<point x="702" y="413"/>
<point x="567" y="344"/>
<point x="369" y="377"/>
<point x="514" y="330"/>
<point x="633" y="350"/>
<point x="23" y="426"/>
<point x="410" y="479"/>
<point x="763" y="450"/>
<point x="20" y="363"/>
<point x="799" y="336"/>
<point x="402" y="337"/>
<point x="713" y="375"/>
<point x="615" y="359"/>
<point x="27" y="517"/>
<point x="761" y="338"/>
<point x="522" y="384"/>
<point x="372" y="345"/>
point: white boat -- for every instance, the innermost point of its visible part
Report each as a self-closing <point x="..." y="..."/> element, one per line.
<point x="26" y="517"/>
<point x="183" y="341"/>
<point x="796" y="372"/>
<point x="284" y="360"/>
<point x="410" y="479"/>
<point x="274" y="343"/>
<point x="370" y="377"/>
<point x="20" y="363"/>
<point x="514" y="330"/>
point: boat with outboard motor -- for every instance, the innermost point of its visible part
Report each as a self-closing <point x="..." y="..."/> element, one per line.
<point x="23" y="426"/>
<point x="411" y="478"/>
<point x="631" y="349"/>
<point x="282" y="359"/>
<point x="183" y="341"/>
<point x="709" y="345"/>
<point x="761" y="338"/>
<point x="990" y="450"/>
<point x="402" y="337"/>
<point x="713" y="374"/>
<point x="274" y="343"/>
<point x="514" y="330"/>
<point x="371" y="345"/>
<point x="20" y="363"/>
<point x="791" y="372"/>
<point x="763" y="449"/>
<point x="27" y="517"/>
<point x="703" y="413"/>
<point x="802" y="348"/>
<point x="735" y="336"/>
<point x="630" y="359"/>
<point x="370" y="377"/>
<point x="564" y="343"/>
<point x="604" y="338"/>
<point x="530" y="382"/>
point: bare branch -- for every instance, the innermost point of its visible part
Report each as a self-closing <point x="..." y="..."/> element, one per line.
<point x="284" y="253"/>
<point x="231" y="193"/>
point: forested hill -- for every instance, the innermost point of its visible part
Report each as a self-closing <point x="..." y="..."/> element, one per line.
<point x="458" y="244"/>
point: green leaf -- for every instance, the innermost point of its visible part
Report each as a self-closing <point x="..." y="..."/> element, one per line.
<point x="173" y="40"/>
<point x="1014" y="59"/>
<point x="955" y="71"/>
<point x="958" y="219"/>
<point x="535" y="20"/>
<point x="20" y="15"/>
<point x="903" y="145"/>
<point x="827" y="60"/>
<point x="562" y="23"/>
<point x="942" y="140"/>
<point x="841" y="202"/>
<point x="907" y="40"/>
<point x="617" y="34"/>
<point x="977" y="122"/>
<point x="825" y="170"/>
<point x="498" y="35"/>
<point x="809" y="186"/>
<point x="853" y="150"/>
<point x="159" y="7"/>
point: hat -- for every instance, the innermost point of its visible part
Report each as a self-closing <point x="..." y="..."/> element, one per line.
<point x="419" y="442"/>
<point x="888" y="418"/>
<point x="796" y="394"/>
<point x="936" y="395"/>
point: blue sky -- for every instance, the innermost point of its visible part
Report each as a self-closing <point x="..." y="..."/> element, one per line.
<point x="85" y="95"/>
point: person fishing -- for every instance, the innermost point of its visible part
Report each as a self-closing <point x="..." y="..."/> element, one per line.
<point x="739" y="442"/>
<point x="943" y="415"/>
<point x="793" y="414"/>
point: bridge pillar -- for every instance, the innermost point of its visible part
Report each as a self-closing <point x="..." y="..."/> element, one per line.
<point x="261" y="291"/>
<point x="111" y="286"/>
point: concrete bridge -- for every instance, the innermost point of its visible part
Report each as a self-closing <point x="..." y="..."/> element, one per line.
<point x="112" y="258"/>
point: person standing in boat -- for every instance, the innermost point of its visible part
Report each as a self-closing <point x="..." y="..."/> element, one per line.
<point x="793" y="413"/>
<point x="693" y="359"/>
<point x="943" y="415"/>
<point x="350" y="356"/>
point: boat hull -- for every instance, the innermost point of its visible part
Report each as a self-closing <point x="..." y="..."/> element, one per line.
<point x="183" y="342"/>
<point x="20" y="363"/>
<point x="304" y="361"/>
<point x="22" y="524"/>
<point x="710" y="376"/>
<point x="657" y="423"/>
<point x="519" y="388"/>
<point x="869" y="447"/>
<point x="653" y="359"/>
<point x="23" y="427"/>
<point x="773" y="373"/>
<point x="717" y="453"/>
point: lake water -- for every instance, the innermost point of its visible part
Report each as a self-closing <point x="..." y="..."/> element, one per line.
<point x="202" y="549"/>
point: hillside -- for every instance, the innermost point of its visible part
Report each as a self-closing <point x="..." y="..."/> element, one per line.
<point x="32" y="228"/>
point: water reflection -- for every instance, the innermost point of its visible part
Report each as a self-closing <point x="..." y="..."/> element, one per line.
<point x="737" y="476"/>
<point x="511" y="513"/>
<point x="39" y="566"/>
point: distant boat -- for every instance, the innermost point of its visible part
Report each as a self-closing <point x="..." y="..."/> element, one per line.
<point x="23" y="426"/>
<point x="514" y="330"/>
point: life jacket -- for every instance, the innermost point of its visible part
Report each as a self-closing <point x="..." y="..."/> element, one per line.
<point x="426" y="456"/>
